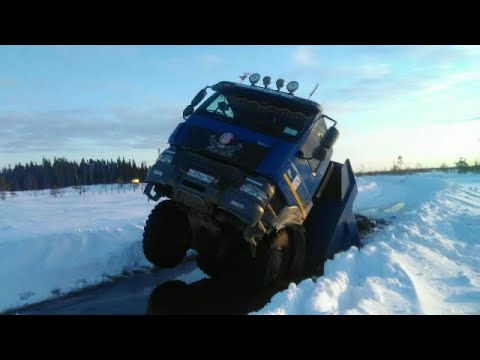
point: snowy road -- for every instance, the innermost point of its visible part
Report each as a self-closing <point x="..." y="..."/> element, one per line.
<point x="426" y="261"/>
<point x="184" y="290"/>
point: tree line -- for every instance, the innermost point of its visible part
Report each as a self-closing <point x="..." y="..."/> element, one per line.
<point x="398" y="168"/>
<point x="463" y="166"/>
<point x="62" y="173"/>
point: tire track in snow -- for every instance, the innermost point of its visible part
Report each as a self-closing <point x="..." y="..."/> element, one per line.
<point x="443" y="250"/>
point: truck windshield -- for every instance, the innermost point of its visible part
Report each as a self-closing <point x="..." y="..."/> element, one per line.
<point x="270" y="116"/>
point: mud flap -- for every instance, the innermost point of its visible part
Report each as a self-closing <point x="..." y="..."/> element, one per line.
<point x="330" y="225"/>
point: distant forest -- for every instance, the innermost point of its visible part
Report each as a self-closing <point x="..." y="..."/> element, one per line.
<point x="461" y="166"/>
<point x="62" y="173"/>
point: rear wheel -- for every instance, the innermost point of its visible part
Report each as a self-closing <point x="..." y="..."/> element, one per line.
<point x="167" y="235"/>
<point x="280" y="255"/>
<point x="277" y="256"/>
<point x="298" y="255"/>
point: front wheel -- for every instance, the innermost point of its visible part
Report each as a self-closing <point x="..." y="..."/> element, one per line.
<point x="167" y="235"/>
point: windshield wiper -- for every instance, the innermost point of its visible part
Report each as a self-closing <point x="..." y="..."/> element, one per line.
<point x="213" y="114"/>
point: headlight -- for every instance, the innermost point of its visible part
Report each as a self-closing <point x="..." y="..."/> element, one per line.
<point x="254" y="191"/>
<point x="167" y="156"/>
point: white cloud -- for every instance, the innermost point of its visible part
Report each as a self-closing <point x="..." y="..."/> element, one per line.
<point x="374" y="71"/>
<point x="75" y="129"/>
<point x="451" y="80"/>
<point x="210" y="59"/>
<point x="304" y="56"/>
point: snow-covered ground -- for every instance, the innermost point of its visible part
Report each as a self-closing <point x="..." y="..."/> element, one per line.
<point x="50" y="246"/>
<point x="427" y="260"/>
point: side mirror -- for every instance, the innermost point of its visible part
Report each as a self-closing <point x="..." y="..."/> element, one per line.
<point x="330" y="137"/>
<point x="327" y="142"/>
<point x="199" y="97"/>
<point x="319" y="153"/>
<point x="188" y="111"/>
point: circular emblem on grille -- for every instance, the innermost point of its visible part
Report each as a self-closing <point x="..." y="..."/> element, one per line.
<point x="226" y="138"/>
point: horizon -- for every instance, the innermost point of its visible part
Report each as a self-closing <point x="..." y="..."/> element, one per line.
<point x="404" y="167"/>
<point x="101" y="102"/>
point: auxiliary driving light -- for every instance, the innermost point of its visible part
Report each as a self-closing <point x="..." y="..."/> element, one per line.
<point x="280" y="83"/>
<point x="254" y="78"/>
<point x="292" y="86"/>
<point x="266" y="81"/>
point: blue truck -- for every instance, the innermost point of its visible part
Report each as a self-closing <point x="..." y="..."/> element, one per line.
<point x="248" y="182"/>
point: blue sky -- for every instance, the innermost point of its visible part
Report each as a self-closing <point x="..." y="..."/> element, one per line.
<point x="421" y="102"/>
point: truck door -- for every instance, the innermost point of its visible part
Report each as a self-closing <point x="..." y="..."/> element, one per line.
<point x="303" y="175"/>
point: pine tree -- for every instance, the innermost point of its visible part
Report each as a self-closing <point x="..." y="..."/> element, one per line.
<point x="462" y="165"/>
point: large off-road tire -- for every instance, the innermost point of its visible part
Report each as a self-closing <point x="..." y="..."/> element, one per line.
<point x="298" y="253"/>
<point x="278" y="255"/>
<point x="167" y="235"/>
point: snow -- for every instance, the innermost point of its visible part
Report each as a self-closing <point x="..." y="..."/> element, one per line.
<point x="50" y="246"/>
<point x="426" y="261"/>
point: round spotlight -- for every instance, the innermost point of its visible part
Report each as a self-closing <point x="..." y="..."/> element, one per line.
<point x="280" y="83"/>
<point x="266" y="81"/>
<point x="292" y="86"/>
<point x="254" y="78"/>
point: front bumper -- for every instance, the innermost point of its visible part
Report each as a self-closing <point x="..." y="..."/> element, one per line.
<point x="220" y="200"/>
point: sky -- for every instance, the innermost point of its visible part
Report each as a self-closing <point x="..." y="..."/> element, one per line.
<point x="418" y="102"/>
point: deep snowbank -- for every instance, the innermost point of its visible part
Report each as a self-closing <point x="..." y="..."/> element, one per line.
<point x="427" y="261"/>
<point x="50" y="246"/>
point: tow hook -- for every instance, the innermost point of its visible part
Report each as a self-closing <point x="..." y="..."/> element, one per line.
<point x="148" y="190"/>
<point x="253" y="250"/>
<point x="249" y="235"/>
